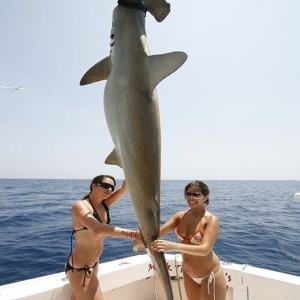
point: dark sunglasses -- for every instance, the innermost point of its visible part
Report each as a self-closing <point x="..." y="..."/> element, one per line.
<point x="195" y="195"/>
<point x="105" y="185"/>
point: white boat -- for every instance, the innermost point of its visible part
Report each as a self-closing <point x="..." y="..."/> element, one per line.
<point x="297" y="196"/>
<point x="133" y="278"/>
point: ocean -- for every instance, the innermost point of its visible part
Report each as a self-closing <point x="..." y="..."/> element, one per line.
<point x="260" y="223"/>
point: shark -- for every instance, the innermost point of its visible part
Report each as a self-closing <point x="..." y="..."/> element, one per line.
<point x="132" y="115"/>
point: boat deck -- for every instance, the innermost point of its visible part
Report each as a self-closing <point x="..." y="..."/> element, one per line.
<point x="135" y="278"/>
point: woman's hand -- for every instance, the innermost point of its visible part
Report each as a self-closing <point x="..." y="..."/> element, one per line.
<point x="138" y="236"/>
<point x="162" y="246"/>
<point x="134" y="234"/>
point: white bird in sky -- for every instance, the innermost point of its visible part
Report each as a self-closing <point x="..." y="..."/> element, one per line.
<point x="18" y="88"/>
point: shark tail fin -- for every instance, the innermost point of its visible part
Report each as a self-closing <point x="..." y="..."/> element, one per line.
<point x="113" y="159"/>
<point x="163" y="65"/>
<point x="100" y="71"/>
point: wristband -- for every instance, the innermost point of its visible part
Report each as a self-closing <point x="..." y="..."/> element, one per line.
<point x="130" y="234"/>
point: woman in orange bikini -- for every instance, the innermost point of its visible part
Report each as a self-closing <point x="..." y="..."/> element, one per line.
<point x="197" y="229"/>
<point x="90" y="226"/>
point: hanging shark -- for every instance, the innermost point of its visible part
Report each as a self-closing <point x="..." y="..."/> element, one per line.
<point x="132" y="115"/>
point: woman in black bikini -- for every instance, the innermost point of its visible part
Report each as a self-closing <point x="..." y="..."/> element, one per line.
<point x="197" y="229"/>
<point x="91" y="220"/>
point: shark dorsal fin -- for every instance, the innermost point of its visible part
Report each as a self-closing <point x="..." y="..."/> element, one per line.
<point x="100" y="71"/>
<point x="113" y="159"/>
<point x="163" y="65"/>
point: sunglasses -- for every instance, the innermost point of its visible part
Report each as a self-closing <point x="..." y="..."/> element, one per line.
<point x="195" y="195"/>
<point x="105" y="185"/>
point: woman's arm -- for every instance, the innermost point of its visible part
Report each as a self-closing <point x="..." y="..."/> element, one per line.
<point x="171" y="224"/>
<point x="117" y="195"/>
<point x="82" y="215"/>
<point x="206" y="246"/>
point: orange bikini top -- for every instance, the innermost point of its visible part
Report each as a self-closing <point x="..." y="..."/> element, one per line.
<point x="196" y="237"/>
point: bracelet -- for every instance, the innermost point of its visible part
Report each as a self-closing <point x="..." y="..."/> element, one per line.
<point x="130" y="234"/>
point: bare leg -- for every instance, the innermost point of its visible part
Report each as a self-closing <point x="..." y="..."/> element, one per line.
<point x="192" y="289"/>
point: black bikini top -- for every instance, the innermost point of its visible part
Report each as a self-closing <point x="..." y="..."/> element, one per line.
<point x="96" y="215"/>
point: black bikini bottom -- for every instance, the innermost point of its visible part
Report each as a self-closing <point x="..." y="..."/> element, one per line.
<point x="86" y="269"/>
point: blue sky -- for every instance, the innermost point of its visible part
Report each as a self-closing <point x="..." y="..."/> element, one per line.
<point x="232" y="111"/>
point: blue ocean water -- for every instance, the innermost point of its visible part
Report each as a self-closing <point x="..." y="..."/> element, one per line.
<point x="260" y="223"/>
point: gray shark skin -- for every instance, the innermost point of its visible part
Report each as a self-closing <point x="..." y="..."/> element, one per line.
<point x="132" y="115"/>
<point x="159" y="9"/>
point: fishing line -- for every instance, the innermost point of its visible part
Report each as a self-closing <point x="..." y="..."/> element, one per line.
<point x="155" y="274"/>
<point x="177" y="275"/>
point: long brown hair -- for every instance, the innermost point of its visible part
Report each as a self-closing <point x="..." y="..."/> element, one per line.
<point x="99" y="178"/>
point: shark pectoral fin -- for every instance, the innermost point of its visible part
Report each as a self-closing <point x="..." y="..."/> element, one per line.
<point x="100" y="71"/>
<point x="113" y="159"/>
<point x="159" y="9"/>
<point x="163" y="65"/>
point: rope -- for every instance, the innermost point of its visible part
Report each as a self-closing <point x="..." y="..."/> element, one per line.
<point x="177" y="275"/>
<point x="155" y="274"/>
<point x="136" y="5"/>
<point x="212" y="278"/>
<point x="154" y="287"/>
